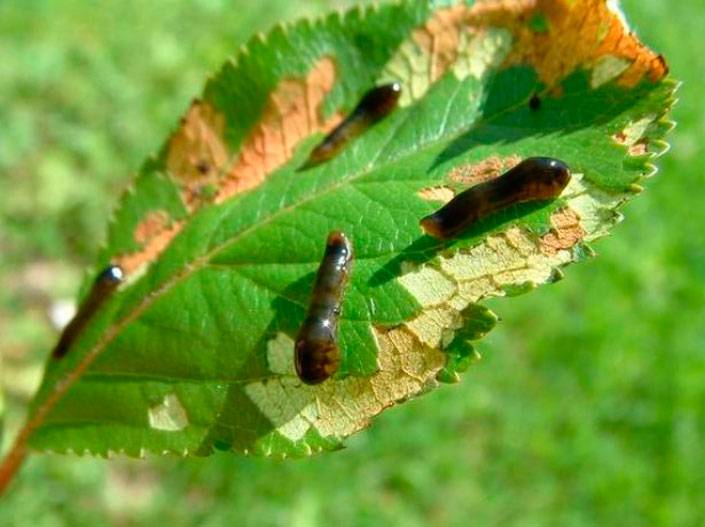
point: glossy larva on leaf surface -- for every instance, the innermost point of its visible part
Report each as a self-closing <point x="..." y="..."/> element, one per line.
<point x="104" y="285"/>
<point x="316" y="352"/>
<point x="374" y="106"/>
<point x="534" y="179"/>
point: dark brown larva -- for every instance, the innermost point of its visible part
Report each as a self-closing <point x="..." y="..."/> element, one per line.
<point x="536" y="178"/>
<point x="316" y="352"/>
<point x="105" y="284"/>
<point x="374" y="106"/>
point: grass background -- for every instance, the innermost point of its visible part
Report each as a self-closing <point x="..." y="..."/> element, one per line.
<point x="589" y="405"/>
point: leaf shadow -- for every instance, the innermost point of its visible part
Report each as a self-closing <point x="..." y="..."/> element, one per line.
<point x="508" y="116"/>
<point x="425" y="248"/>
<point x="240" y="423"/>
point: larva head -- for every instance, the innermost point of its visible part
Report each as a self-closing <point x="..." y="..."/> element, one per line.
<point x="433" y="226"/>
<point x="380" y="101"/>
<point x="338" y="244"/>
<point x="316" y="359"/>
<point x="113" y="274"/>
<point x="546" y="177"/>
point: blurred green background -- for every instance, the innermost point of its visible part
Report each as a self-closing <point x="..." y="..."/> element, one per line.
<point x="589" y="405"/>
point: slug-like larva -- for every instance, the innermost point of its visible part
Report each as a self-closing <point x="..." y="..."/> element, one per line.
<point x="536" y="178"/>
<point x="374" y="106"/>
<point x="316" y="352"/>
<point x="105" y="284"/>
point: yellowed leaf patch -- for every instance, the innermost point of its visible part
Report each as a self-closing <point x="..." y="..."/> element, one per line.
<point x="445" y="42"/>
<point x="440" y="39"/>
<point x="410" y="356"/>
<point x="634" y="136"/>
<point x="338" y="408"/>
<point x="467" y="40"/>
<point x="439" y="193"/>
<point x="577" y="33"/>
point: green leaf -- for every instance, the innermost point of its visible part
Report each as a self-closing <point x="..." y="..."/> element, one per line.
<point x="221" y="234"/>
<point x="2" y="414"/>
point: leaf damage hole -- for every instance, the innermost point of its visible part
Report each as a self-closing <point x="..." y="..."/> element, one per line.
<point x="485" y="170"/>
<point x="566" y="232"/>
<point x="340" y="407"/>
<point x="280" y="355"/>
<point x="446" y="42"/>
<point x="634" y="136"/>
<point x="637" y="147"/>
<point x="640" y="148"/>
<point x="440" y="39"/>
<point x="169" y="415"/>
<point x="348" y="405"/>
<point x="440" y="194"/>
<point x="607" y="68"/>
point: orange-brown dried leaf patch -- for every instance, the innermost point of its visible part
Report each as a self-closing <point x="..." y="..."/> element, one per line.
<point x="636" y="148"/>
<point x="293" y="112"/>
<point x="440" y="38"/>
<point x="490" y="168"/>
<point x="579" y="32"/>
<point x="620" y="137"/>
<point x="197" y="153"/>
<point x="565" y="232"/>
<point x="153" y="233"/>
<point x="151" y="226"/>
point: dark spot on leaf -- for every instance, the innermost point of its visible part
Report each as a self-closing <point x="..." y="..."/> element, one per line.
<point x="203" y="167"/>
<point x="535" y="102"/>
<point x="662" y="60"/>
<point x="221" y="445"/>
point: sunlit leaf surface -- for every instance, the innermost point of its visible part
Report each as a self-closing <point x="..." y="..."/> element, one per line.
<point x="221" y="234"/>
